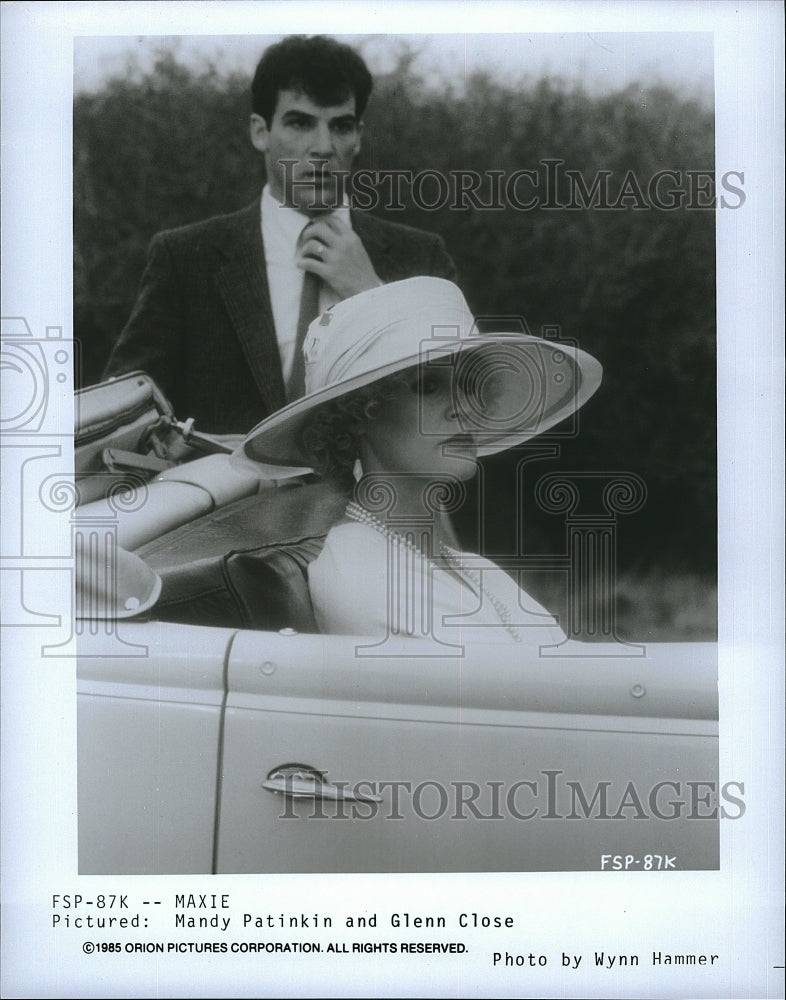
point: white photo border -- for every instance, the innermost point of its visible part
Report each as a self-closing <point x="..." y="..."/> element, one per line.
<point x="737" y="911"/>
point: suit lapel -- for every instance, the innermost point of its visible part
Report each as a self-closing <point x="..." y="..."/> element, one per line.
<point x="241" y="280"/>
<point x="375" y="239"/>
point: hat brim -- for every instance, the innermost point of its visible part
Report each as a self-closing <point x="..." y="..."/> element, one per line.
<point x="538" y="384"/>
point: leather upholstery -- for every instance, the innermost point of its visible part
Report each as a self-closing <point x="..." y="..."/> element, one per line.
<point x="245" y="566"/>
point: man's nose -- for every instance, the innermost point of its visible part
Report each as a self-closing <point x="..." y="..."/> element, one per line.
<point x="322" y="144"/>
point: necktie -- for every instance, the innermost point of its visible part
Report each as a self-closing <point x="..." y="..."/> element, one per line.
<point x="309" y="310"/>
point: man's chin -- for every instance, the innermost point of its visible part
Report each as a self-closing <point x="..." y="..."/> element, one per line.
<point x="316" y="199"/>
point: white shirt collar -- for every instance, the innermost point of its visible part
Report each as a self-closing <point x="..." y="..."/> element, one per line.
<point x="286" y="223"/>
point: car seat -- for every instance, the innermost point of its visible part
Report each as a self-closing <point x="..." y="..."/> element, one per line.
<point x="246" y="565"/>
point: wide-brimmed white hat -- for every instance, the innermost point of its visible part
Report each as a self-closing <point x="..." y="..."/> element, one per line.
<point x="523" y="385"/>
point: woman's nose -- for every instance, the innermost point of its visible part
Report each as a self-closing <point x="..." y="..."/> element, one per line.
<point x="452" y="409"/>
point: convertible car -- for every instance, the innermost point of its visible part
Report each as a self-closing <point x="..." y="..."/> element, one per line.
<point x="218" y="731"/>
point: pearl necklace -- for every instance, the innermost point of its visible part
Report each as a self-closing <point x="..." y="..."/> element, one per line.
<point x="453" y="558"/>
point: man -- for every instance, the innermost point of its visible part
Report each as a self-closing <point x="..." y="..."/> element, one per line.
<point x="224" y="303"/>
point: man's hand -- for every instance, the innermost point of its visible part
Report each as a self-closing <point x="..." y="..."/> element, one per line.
<point x="330" y="249"/>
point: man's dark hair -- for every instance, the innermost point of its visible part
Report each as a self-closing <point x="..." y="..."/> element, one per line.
<point x="326" y="71"/>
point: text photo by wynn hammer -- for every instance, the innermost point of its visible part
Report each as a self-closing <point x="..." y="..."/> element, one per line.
<point x="395" y="461"/>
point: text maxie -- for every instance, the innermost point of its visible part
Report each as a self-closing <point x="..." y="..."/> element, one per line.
<point x="204" y="901"/>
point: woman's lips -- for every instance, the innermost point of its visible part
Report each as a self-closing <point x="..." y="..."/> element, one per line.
<point x="463" y="441"/>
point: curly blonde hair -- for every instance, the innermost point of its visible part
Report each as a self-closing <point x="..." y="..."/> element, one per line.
<point x="330" y="439"/>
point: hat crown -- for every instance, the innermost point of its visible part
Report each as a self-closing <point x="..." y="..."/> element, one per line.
<point x="384" y="327"/>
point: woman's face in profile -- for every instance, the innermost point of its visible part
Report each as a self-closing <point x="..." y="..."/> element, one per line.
<point x="418" y="429"/>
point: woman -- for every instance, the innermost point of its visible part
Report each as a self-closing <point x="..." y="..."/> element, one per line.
<point x="403" y="395"/>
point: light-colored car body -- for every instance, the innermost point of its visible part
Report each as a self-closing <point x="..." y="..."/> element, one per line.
<point x="221" y="750"/>
<point x="227" y="749"/>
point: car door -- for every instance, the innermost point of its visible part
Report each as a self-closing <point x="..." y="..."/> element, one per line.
<point x="503" y="758"/>
<point x="148" y="743"/>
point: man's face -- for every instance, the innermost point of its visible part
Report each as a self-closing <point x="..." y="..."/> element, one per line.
<point x="304" y="132"/>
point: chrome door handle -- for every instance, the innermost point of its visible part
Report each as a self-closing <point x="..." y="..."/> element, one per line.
<point x="300" y="781"/>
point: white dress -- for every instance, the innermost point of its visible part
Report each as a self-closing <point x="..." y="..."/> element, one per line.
<point x="368" y="583"/>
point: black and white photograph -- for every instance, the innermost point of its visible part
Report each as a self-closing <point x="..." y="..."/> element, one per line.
<point x="392" y="567"/>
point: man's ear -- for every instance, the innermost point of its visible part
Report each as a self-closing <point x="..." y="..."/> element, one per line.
<point x="258" y="131"/>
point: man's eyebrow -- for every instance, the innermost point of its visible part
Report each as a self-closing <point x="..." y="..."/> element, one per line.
<point x="307" y="116"/>
<point x="294" y="113"/>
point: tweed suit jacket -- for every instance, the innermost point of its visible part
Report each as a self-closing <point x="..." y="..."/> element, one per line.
<point x="202" y="325"/>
